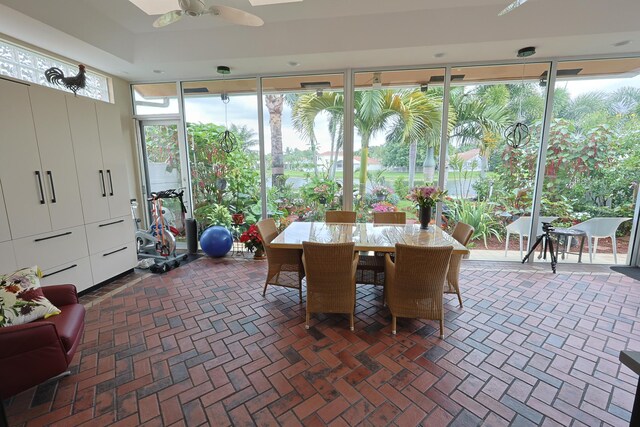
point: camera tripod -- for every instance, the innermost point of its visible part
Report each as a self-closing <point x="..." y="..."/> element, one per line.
<point x="547" y="243"/>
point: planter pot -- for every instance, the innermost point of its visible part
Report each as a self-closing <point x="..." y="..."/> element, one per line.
<point x="425" y="217"/>
<point x="259" y="254"/>
<point x="238" y="218"/>
<point x="381" y="197"/>
<point x="322" y="199"/>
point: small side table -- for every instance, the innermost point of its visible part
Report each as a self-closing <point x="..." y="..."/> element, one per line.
<point x="567" y="233"/>
<point x="236" y="232"/>
<point x="631" y="359"/>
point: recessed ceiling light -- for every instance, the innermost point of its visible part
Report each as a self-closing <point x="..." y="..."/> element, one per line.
<point x="268" y="2"/>
<point x="158" y="71"/>
<point x="622" y="43"/>
<point x="293" y="63"/>
<point x="438" y="55"/>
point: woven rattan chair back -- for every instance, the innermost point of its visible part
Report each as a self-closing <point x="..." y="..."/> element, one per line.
<point x="282" y="263"/>
<point x="330" y="270"/>
<point x="346" y="217"/>
<point x="462" y="233"/>
<point x="390" y="218"/>
<point x="416" y="284"/>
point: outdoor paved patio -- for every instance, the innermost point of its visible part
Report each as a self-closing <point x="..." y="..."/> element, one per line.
<point x="201" y="346"/>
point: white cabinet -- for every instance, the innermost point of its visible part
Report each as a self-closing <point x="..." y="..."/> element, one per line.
<point x="64" y="193"/>
<point x="5" y="233"/>
<point x="88" y="155"/>
<point x="77" y="272"/>
<point x="20" y="171"/>
<point x="113" y="155"/>
<point x="7" y="259"/>
<point x="99" y="151"/>
<point x="56" y="157"/>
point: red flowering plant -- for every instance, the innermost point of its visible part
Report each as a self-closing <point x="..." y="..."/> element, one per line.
<point x="251" y="239"/>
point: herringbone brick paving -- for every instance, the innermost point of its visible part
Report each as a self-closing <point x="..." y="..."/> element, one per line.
<point x="201" y="346"/>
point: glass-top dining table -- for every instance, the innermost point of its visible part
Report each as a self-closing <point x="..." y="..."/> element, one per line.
<point x="366" y="236"/>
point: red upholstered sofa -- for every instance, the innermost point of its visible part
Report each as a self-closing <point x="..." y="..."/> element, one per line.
<point x="34" y="352"/>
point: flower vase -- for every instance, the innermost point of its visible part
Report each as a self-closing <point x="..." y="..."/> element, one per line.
<point x="259" y="254"/>
<point x="425" y="217"/>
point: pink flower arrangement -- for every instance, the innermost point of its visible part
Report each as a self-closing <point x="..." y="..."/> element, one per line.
<point x="384" y="207"/>
<point x="426" y="197"/>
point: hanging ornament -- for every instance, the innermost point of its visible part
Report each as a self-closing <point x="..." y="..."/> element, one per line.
<point x="227" y="141"/>
<point x="517" y="135"/>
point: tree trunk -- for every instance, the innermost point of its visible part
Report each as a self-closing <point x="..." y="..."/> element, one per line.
<point x="429" y="166"/>
<point x="364" y="157"/>
<point x="274" y="104"/>
<point x="484" y="165"/>
<point x="413" y="154"/>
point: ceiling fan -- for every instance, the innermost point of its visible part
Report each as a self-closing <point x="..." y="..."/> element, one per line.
<point x="198" y="8"/>
<point x="512" y="6"/>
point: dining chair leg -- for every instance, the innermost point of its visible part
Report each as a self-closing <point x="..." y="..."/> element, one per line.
<point x="459" y="296"/>
<point x="441" y="328"/>
<point x="306" y="325"/>
<point x="351" y="321"/>
<point x="264" y="291"/>
<point x="393" y="324"/>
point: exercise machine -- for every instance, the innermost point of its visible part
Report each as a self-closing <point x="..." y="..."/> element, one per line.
<point x="158" y="243"/>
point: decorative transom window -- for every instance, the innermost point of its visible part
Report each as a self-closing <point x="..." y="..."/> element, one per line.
<point x="24" y="64"/>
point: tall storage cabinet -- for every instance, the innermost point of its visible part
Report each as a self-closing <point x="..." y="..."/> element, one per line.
<point x="20" y="170"/>
<point x="62" y="176"/>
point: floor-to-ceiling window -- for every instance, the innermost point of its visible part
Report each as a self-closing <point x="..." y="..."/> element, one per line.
<point x="303" y="139"/>
<point x="495" y="123"/>
<point x="222" y="145"/>
<point x="593" y="158"/>
<point x="397" y="128"/>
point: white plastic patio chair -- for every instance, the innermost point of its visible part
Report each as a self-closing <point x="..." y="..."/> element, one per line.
<point x="599" y="228"/>
<point x="522" y="226"/>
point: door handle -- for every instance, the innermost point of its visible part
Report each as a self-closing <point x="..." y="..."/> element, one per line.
<point x="42" y="202"/>
<point x="104" y="191"/>
<point x="53" y="188"/>
<point x="110" y="182"/>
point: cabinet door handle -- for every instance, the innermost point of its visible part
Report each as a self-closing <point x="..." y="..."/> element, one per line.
<point x="111" y="223"/>
<point x="59" y="271"/>
<point x="42" y="202"/>
<point x="102" y="186"/>
<point x="53" y="237"/>
<point x="110" y="182"/>
<point x="113" y="252"/>
<point x="53" y="188"/>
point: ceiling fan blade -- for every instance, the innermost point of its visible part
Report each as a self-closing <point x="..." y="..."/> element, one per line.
<point x="168" y="18"/>
<point x="236" y="16"/>
<point x="512" y="6"/>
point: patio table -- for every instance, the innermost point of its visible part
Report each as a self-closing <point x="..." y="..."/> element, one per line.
<point x="366" y="236"/>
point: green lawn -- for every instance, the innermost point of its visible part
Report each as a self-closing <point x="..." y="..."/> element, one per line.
<point x="390" y="177"/>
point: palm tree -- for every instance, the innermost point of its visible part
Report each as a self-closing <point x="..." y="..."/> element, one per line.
<point x="410" y="112"/>
<point x="477" y="122"/>
<point x="274" y="103"/>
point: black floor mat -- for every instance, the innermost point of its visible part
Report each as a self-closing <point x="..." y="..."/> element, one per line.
<point x="633" y="272"/>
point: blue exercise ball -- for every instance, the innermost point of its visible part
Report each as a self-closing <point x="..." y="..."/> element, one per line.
<point x="216" y="241"/>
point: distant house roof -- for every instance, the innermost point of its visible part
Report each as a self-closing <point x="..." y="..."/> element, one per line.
<point x="468" y="155"/>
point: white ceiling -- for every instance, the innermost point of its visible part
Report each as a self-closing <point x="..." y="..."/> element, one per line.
<point x="117" y="37"/>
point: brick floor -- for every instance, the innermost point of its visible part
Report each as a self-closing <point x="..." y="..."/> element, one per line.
<point x="201" y="346"/>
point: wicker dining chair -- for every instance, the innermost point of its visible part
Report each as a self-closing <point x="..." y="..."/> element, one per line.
<point x="462" y="233"/>
<point x="331" y="278"/>
<point x="281" y="262"/>
<point x="390" y="218"/>
<point x="371" y="267"/>
<point x="415" y="283"/>
<point x="345" y="217"/>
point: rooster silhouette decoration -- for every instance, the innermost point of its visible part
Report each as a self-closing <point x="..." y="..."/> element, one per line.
<point x="74" y="83"/>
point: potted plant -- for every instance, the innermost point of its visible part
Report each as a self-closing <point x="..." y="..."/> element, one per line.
<point x="425" y="198"/>
<point x="381" y="192"/>
<point x="252" y="241"/>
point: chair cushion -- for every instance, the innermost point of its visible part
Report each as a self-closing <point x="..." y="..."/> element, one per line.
<point x="69" y="323"/>
<point x="21" y="298"/>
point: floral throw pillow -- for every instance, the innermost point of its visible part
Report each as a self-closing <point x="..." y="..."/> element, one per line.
<point x="21" y="298"/>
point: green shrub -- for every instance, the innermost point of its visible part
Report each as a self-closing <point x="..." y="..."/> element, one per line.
<point x="213" y="214"/>
<point x="479" y="215"/>
<point x="401" y="187"/>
